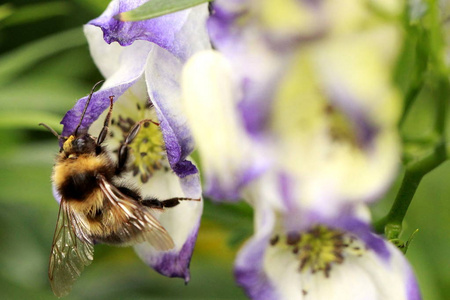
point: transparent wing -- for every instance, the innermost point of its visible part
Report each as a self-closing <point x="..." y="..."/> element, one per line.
<point x="72" y="250"/>
<point x="139" y="225"/>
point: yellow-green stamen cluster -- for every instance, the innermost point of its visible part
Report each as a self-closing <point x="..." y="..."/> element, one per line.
<point x="317" y="249"/>
<point x="147" y="148"/>
<point x="148" y="151"/>
<point x="340" y="127"/>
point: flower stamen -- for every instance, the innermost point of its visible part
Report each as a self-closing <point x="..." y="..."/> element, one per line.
<point x="147" y="148"/>
<point x="319" y="248"/>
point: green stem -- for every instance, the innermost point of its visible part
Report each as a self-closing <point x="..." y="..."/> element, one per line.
<point x="391" y="225"/>
<point x="410" y="98"/>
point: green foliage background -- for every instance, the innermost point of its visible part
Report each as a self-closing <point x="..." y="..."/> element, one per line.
<point x="45" y="67"/>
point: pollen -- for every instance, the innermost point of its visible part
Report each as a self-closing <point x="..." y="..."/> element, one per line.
<point x="319" y="249"/>
<point x="147" y="148"/>
<point x="67" y="146"/>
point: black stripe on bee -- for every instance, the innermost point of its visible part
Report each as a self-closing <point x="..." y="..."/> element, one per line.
<point x="79" y="186"/>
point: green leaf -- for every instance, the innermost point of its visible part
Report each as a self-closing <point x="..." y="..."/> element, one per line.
<point x="33" y="12"/>
<point x="156" y="8"/>
<point x="21" y="59"/>
<point x="28" y="120"/>
<point x="5" y="11"/>
<point x="96" y="7"/>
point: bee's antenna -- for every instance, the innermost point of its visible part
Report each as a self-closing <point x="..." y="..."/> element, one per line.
<point x="51" y="130"/>
<point x="86" y="106"/>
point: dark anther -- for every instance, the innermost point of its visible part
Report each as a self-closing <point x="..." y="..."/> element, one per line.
<point x="315" y="232"/>
<point x="292" y="238"/>
<point x="303" y="262"/>
<point x="274" y="240"/>
<point x="130" y="121"/>
<point x="144" y="177"/>
<point x="327" y="270"/>
<point x="135" y="170"/>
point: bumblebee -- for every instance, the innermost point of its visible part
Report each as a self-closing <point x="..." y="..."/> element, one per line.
<point x="94" y="208"/>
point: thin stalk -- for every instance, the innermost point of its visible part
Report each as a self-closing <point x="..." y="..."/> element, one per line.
<point x="391" y="224"/>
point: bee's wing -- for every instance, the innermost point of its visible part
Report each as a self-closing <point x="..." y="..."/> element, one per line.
<point x="72" y="249"/>
<point x="139" y="224"/>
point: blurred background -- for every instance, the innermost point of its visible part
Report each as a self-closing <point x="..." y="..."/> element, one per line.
<point x="45" y="67"/>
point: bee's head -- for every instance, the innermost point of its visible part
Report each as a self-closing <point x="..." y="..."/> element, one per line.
<point x="76" y="145"/>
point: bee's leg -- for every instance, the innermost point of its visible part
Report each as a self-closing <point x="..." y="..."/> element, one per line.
<point x="104" y="132"/>
<point x="130" y="193"/>
<point x="123" y="150"/>
<point x="155" y="203"/>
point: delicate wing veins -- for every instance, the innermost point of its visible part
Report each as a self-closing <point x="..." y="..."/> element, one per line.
<point x="72" y="249"/>
<point x="139" y="225"/>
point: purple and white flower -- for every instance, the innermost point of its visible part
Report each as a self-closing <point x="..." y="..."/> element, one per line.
<point x="293" y="99"/>
<point x="296" y="113"/>
<point x="142" y="63"/>
<point x="328" y="259"/>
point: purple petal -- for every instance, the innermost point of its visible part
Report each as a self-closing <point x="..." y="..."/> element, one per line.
<point x="363" y="231"/>
<point x="215" y="188"/>
<point x="249" y="267"/>
<point x="163" y="31"/>
<point x="255" y="106"/>
<point x="412" y="287"/>
<point x="257" y="81"/>
<point x="170" y="264"/>
<point x="163" y="72"/>
<point x="97" y="105"/>
<point x="181" y="222"/>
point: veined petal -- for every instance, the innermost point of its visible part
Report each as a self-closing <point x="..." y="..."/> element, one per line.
<point x="172" y="32"/>
<point x="229" y="159"/>
<point x="182" y="222"/>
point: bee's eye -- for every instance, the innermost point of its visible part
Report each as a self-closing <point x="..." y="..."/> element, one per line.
<point x="98" y="150"/>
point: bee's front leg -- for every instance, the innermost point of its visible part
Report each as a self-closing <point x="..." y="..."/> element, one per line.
<point x="123" y="150"/>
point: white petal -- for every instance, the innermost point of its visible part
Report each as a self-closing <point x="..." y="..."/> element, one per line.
<point x="368" y="277"/>
<point x="116" y="63"/>
<point x="229" y="159"/>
